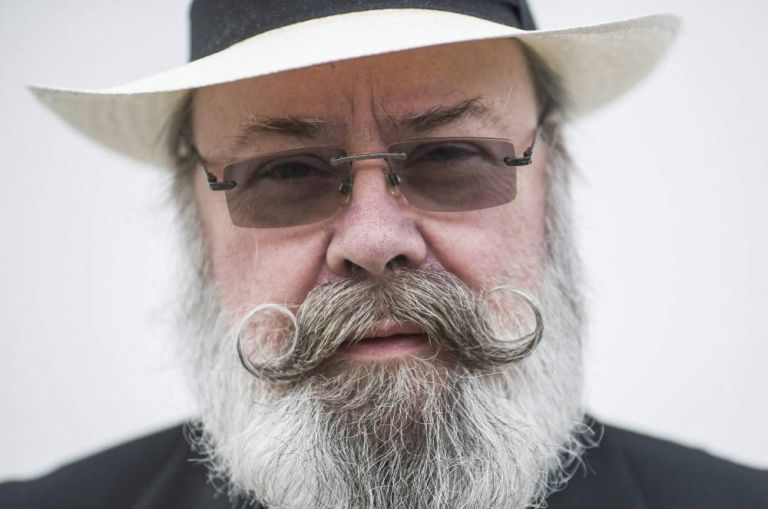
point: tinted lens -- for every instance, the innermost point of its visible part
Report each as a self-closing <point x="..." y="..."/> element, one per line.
<point x="454" y="174"/>
<point x="285" y="189"/>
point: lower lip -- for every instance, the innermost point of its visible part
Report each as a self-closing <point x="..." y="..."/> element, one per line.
<point x="391" y="347"/>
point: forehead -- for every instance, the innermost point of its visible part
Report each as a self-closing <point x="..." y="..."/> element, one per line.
<point x="372" y="91"/>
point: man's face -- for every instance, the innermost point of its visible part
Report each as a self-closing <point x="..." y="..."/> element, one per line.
<point x="368" y="104"/>
<point x="390" y="424"/>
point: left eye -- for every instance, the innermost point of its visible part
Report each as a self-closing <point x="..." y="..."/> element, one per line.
<point x="445" y="152"/>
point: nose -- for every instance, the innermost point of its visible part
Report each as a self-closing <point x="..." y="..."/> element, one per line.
<point x="376" y="230"/>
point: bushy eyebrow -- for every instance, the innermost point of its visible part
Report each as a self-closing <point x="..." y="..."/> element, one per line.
<point x="439" y="116"/>
<point x="290" y="126"/>
<point x="300" y="127"/>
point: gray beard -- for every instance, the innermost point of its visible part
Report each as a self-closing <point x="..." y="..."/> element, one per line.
<point x="411" y="434"/>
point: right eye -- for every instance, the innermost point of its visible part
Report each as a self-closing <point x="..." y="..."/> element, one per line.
<point x="293" y="169"/>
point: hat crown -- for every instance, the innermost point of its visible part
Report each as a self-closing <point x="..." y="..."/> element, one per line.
<point x="217" y="24"/>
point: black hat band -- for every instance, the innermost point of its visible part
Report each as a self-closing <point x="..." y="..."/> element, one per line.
<point x="217" y="24"/>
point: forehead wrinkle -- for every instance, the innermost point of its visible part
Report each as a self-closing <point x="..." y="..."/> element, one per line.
<point x="359" y="95"/>
<point x="377" y="118"/>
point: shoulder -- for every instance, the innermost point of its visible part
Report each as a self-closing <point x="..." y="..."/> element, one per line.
<point x="670" y="475"/>
<point x="116" y="478"/>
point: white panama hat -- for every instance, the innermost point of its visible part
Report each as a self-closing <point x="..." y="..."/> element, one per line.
<point x="238" y="39"/>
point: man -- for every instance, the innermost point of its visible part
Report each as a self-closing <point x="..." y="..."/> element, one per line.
<point x="384" y="303"/>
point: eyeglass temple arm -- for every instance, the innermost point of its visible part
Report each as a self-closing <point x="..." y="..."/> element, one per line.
<point x="210" y="178"/>
<point x="527" y="157"/>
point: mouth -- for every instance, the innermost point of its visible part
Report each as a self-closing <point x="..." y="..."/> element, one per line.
<point x="388" y="340"/>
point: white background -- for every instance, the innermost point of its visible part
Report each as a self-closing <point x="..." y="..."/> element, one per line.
<point x="672" y="216"/>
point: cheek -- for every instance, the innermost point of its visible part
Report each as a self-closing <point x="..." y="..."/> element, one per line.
<point x="249" y="269"/>
<point x="231" y="254"/>
<point x="498" y="245"/>
<point x="252" y="266"/>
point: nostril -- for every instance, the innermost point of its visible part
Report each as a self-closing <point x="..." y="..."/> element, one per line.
<point x="351" y="267"/>
<point x="397" y="262"/>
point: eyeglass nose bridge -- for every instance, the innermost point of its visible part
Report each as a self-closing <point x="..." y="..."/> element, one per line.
<point x="338" y="161"/>
<point x="394" y="180"/>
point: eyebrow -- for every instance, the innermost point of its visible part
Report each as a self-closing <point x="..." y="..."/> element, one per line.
<point x="290" y="126"/>
<point x="443" y="115"/>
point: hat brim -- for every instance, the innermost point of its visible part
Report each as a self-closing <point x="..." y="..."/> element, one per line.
<point x="596" y="64"/>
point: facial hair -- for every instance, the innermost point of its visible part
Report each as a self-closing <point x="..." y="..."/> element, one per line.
<point x="405" y="434"/>
<point x="479" y="333"/>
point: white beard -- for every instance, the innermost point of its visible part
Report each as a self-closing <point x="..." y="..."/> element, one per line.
<point x="499" y="441"/>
